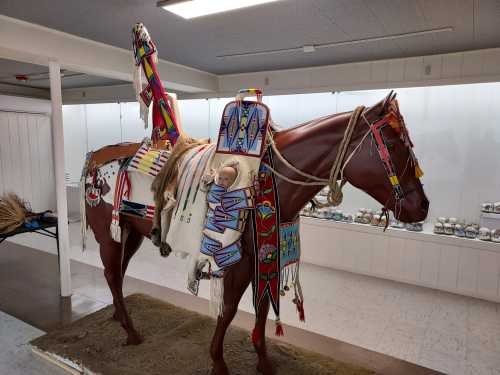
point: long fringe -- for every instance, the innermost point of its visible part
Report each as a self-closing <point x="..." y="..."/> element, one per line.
<point x="216" y="296"/>
<point x="83" y="214"/>
<point x="279" y="328"/>
<point x="169" y="172"/>
<point x="144" y="110"/>
<point x="116" y="231"/>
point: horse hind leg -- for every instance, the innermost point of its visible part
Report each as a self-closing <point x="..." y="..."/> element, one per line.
<point x="132" y="243"/>
<point x="112" y="257"/>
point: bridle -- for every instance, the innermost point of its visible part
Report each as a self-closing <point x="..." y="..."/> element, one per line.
<point x="392" y="118"/>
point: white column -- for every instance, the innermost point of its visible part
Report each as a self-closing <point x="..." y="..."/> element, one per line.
<point x="62" y="203"/>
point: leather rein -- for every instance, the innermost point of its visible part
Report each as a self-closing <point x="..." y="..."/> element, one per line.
<point x="393" y="119"/>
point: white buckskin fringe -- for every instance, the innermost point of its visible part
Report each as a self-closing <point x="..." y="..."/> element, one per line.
<point x="83" y="214"/>
<point x="137" y="82"/>
<point x="116" y="231"/>
<point x="216" y="296"/>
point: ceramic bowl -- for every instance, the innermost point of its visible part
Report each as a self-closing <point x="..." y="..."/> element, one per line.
<point x="442" y="219"/>
<point x="487" y="207"/>
<point x="484" y="234"/>
<point x="471" y="232"/>
<point x="375" y="220"/>
<point x="459" y="230"/>
<point x="359" y="217"/>
<point x="367" y="218"/>
<point x="495" y="235"/>
<point x="348" y="218"/>
<point x="414" y="227"/>
<point x="439" y="228"/>
<point x="449" y="229"/>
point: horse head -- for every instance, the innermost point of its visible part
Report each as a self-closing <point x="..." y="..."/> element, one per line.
<point x="385" y="166"/>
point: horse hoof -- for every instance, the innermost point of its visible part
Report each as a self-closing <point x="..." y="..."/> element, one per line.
<point x="265" y="367"/>
<point x="220" y="368"/>
<point x="116" y="317"/>
<point x="134" y="339"/>
<point x="165" y="249"/>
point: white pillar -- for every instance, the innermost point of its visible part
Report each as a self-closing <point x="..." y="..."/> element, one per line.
<point x="62" y="203"/>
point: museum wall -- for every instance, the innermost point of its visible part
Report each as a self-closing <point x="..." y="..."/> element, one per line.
<point x="26" y="162"/>
<point x="454" y="129"/>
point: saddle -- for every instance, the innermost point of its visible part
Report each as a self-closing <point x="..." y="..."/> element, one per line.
<point x="113" y="152"/>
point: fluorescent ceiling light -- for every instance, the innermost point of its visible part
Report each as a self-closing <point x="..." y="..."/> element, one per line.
<point x="198" y="8"/>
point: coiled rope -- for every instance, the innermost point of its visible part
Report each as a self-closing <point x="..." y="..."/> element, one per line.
<point x="334" y="197"/>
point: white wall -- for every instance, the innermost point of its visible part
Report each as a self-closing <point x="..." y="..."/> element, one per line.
<point x="454" y="129"/>
<point x="26" y="160"/>
<point x="22" y="104"/>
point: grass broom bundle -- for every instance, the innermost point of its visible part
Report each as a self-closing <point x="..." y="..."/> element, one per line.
<point x="13" y="212"/>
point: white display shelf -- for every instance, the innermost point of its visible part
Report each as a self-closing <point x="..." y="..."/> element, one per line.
<point x="490" y="215"/>
<point x="426" y="235"/>
<point x="490" y="220"/>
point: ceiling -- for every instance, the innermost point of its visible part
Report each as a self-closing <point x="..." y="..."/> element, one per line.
<point x="283" y="24"/>
<point x="38" y="76"/>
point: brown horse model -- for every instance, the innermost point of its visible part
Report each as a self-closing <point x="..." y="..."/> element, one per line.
<point x="310" y="147"/>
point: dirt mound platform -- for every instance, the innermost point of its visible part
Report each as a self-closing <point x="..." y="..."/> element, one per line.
<point x="176" y="342"/>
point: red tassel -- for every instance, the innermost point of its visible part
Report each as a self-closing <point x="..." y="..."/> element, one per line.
<point x="300" y="309"/>
<point x="256" y="336"/>
<point x="279" y="329"/>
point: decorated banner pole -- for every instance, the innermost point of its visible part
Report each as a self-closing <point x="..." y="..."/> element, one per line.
<point x="165" y="125"/>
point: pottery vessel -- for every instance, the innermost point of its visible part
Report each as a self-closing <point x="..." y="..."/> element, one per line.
<point x="439" y="228"/>
<point x="484" y="234"/>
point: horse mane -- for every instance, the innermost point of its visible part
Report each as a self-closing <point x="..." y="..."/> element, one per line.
<point x="170" y="170"/>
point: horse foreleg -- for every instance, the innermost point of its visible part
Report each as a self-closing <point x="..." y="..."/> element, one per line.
<point x="259" y="339"/>
<point x="236" y="281"/>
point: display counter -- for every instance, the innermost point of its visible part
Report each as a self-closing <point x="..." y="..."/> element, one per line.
<point x="460" y="265"/>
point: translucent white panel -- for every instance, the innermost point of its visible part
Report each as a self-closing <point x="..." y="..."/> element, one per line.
<point x="195" y="116"/>
<point x="216" y="107"/>
<point x="103" y="125"/>
<point x="454" y="129"/>
<point x="132" y="126"/>
<point x="347" y="101"/>
<point x="291" y="110"/>
<point x="75" y="141"/>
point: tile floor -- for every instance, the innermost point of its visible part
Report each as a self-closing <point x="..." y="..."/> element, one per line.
<point x="446" y="332"/>
<point x="16" y="357"/>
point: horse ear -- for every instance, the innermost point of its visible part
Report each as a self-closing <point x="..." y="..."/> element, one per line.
<point x="388" y="99"/>
<point x="380" y="108"/>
